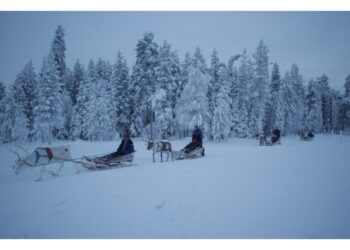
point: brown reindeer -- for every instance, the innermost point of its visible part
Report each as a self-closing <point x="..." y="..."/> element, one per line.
<point x="160" y="146"/>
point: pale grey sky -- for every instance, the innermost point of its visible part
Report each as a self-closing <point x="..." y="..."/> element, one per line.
<point x="318" y="42"/>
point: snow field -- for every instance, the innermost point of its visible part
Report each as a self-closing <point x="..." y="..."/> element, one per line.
<point x="239" y="190"/>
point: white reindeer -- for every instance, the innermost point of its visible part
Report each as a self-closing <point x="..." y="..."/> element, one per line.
<point x="160" y="146"/>
<point x="42" y="156"/>
<point x="156" y="145"/>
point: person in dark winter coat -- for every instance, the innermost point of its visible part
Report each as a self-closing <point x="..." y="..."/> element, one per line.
<point x="276" y="135"/>
<point x="126" y="146"/>
<point x="310" y="135"/>
<point x="197" y="140"/>
<point x="197" y="136"/>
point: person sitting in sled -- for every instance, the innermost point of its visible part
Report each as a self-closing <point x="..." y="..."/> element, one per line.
<point x="276" y="135"/>
<point x="310" y="135"/>
<point x="126" y="146"/>
<point x="197" y="140"/>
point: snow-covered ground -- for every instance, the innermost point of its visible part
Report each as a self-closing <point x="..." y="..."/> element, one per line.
<point x="239" y="190"/>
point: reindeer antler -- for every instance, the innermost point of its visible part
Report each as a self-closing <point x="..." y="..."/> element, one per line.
<point x="23" y="149"/>
<point x="18" y="156"/>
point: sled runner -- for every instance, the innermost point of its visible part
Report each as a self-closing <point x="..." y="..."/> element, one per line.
<point x="181" y="155"/>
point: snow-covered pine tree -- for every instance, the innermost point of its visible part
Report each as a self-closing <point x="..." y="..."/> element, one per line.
<point x="289" y="104"/>
<point x="326" y="102"/>
<point x="192" y="107"/>
<point x="336" y="103"/>
<point x="48" y="111"/>
<point x="23" y="94"/>
<point x="2" y="91"/>
<point x="8" y="118"/>
<point x="213" y="90"/>
<point x="298" y="98"/>
<point x="259" y="90"/>
<point x="2" y="105"/>
<point x="123" y="95"/>
<point x="198" y="61"/>
<point x="184" y="71"/>
<point x="241" y="80"/>
<point x="345" y="110"/>
<point x="143" y="79"/>
<point x="58" y="48"/>
<point x="164" y="99"/>
<point x="79" y="122"/>
<point x="313" y="108"/>
<point x="66" y="132"/>
<point x="277" y="100"/>
<point x="101" y="106"/>
<point x="347" y="86"/>
<point x="75" y="82"/>
<point x="222" y="115"/>
<point x="294" y="101"/>
<point x="104" y="73"/>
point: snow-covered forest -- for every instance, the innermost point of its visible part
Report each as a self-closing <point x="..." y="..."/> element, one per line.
<point x="102" y="100"/>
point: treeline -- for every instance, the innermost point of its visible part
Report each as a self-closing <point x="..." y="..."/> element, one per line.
<point x="240" y="98"/>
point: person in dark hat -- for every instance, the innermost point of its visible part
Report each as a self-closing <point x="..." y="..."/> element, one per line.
<point x="197" y="140"/>
<point x="126" y="146"/>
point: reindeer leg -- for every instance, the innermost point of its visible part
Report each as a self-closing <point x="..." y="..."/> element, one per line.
<point x="78" y="169"/>
<point x="161" y="156"/>
<point x="41" y="174"/>
<point x="153" y="158"/>
<point x="59" y="170"/>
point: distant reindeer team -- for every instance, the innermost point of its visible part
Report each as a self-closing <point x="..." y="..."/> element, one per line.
<point x="194" y="148"/>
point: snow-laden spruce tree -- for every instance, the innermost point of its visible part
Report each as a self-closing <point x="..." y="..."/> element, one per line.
<point x="58" y="48"/>
<point x="259" y="90"/>
<point x="66" y="132"/>
<point x="222" y="115"/>
<point x="19" y="130"/>
<point x="143" y="79"/>
<point x="289" y="111"/>
<point x="23" y="95"/>
<point x="313" y="105"/>
<point x="79" y="123"/>
<point x="164" y="99"/>
<point x="99" y="121"/>
<point x="277" y="100"/>
<point x="347" y="86"/>
<point x="184" y="71"/>
<point x="336" y="104"/>
<point x="241" y="97"/>
<point x="323" y="87"/>
<point x="192" y="108"/>
<point x="75" y="82"/>
<point x="297" y="98"/>
<point x="8" y="119"/>
<point x="345" y="108"/>
<point x="48" y="111"/>
<point x="2" y="91"/>
<point x="198" y="61"/>
<point x="213" y="90"/>
<point x="2" y="105"/>
<point x="123" y="95"/>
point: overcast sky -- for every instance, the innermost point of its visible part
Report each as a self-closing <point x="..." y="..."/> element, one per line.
<point x="318" y="42"/>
